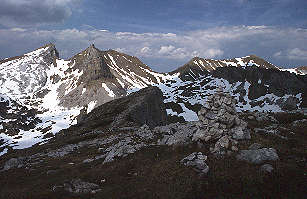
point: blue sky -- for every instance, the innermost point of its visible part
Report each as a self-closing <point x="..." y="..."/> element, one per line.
<point x="164" y="34"/>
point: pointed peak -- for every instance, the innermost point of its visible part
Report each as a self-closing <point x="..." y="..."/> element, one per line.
<point x="50" y="45"/>
<point x="52" y="50"/>
<point x="92" y="48"/>
<point x="49" y="49"/>
<point x="253" y="56"/>
<point x="196" y="58"/>
<point x="193" y="59"/>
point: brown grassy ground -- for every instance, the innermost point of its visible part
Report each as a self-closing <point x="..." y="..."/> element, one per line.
<point x="155" y="172"/>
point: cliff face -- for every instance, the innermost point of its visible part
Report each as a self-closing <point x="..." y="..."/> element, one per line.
<point x="143" y="107"/>
<point x="91" y="61"/>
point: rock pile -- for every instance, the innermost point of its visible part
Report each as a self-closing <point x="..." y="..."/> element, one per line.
<point x="219" y="122"/>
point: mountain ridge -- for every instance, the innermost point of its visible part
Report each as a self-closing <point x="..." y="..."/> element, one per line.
<point x="60" y="90"/>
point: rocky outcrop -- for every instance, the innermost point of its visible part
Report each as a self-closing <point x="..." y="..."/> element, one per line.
<point x="15" y="163"/>
<point x="176" y="134"/>
<point x="197" y="162"/>
<point x="258" y="156"/>
<point x="143" y="107"/>
<point x="77" y="186"/>
<point x="266" y="168"/>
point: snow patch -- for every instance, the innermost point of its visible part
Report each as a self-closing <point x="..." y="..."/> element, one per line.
<point x="91" y="106"/>
<point x="83" y="90"/>
<point x="110" y="92"/>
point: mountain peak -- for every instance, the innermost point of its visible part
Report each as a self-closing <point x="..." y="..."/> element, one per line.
<point x="92" y="52"/>
<point x="91" y="61"/>
<point x="47" y="50"/>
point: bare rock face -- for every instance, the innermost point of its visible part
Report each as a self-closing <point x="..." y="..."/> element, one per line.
<point x="92" y="62"/>
<point x="219" y="122"/>
<point x="143" y="107"/>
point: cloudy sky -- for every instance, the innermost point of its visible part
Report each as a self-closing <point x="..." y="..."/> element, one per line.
<point x="164" y="34"/>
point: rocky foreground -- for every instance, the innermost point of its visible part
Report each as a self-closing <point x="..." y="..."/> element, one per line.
<point x="127" y="148"/>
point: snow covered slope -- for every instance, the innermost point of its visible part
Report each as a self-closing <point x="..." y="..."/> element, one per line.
<point x="31" y="84"/>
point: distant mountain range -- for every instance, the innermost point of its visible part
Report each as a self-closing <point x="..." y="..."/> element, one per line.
<point x="41" y="94"/>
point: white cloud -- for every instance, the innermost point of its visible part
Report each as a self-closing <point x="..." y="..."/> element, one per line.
<point x="214" y="53"/>
<point x="144" y="52"/>
<point x="164" y="50"/>
<point x="277" y="54"/>
<point x="18" y="29"/>
<point x="297" y="53"/>
<point x="292" y="54"/>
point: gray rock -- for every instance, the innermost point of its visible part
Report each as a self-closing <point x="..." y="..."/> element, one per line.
<point x="143" y="107"/>
<point x="50" y="172"/>
<point x="234" y="148"/>
<point x="121" y="149"/>
<point x="266" y="168"/>
<point x="241" y="134"/>
<point x="201" y="134"/>
<point x="197" y="162"/>
<point x="207" y="106"/>
<point x="88" y="160"/>
<point x="222" y="144"/>
<point x="15" y="163"/>
<point x="258" y="156"/>
<point x="264" y="117"/>
<point x="251" y="117"/>
<point x="63" y="151"/>
<point x="298" y="122"/>
<point x="211" y="116"/>
<point x="145" y="133"/>
<point x="78" y="186"/>
<point x="255" y="146"/>
<point x="202" y="111"/>
<point x="176" y="134"/>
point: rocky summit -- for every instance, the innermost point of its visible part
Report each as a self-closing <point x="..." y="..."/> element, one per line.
<point x="102" y="124"/>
